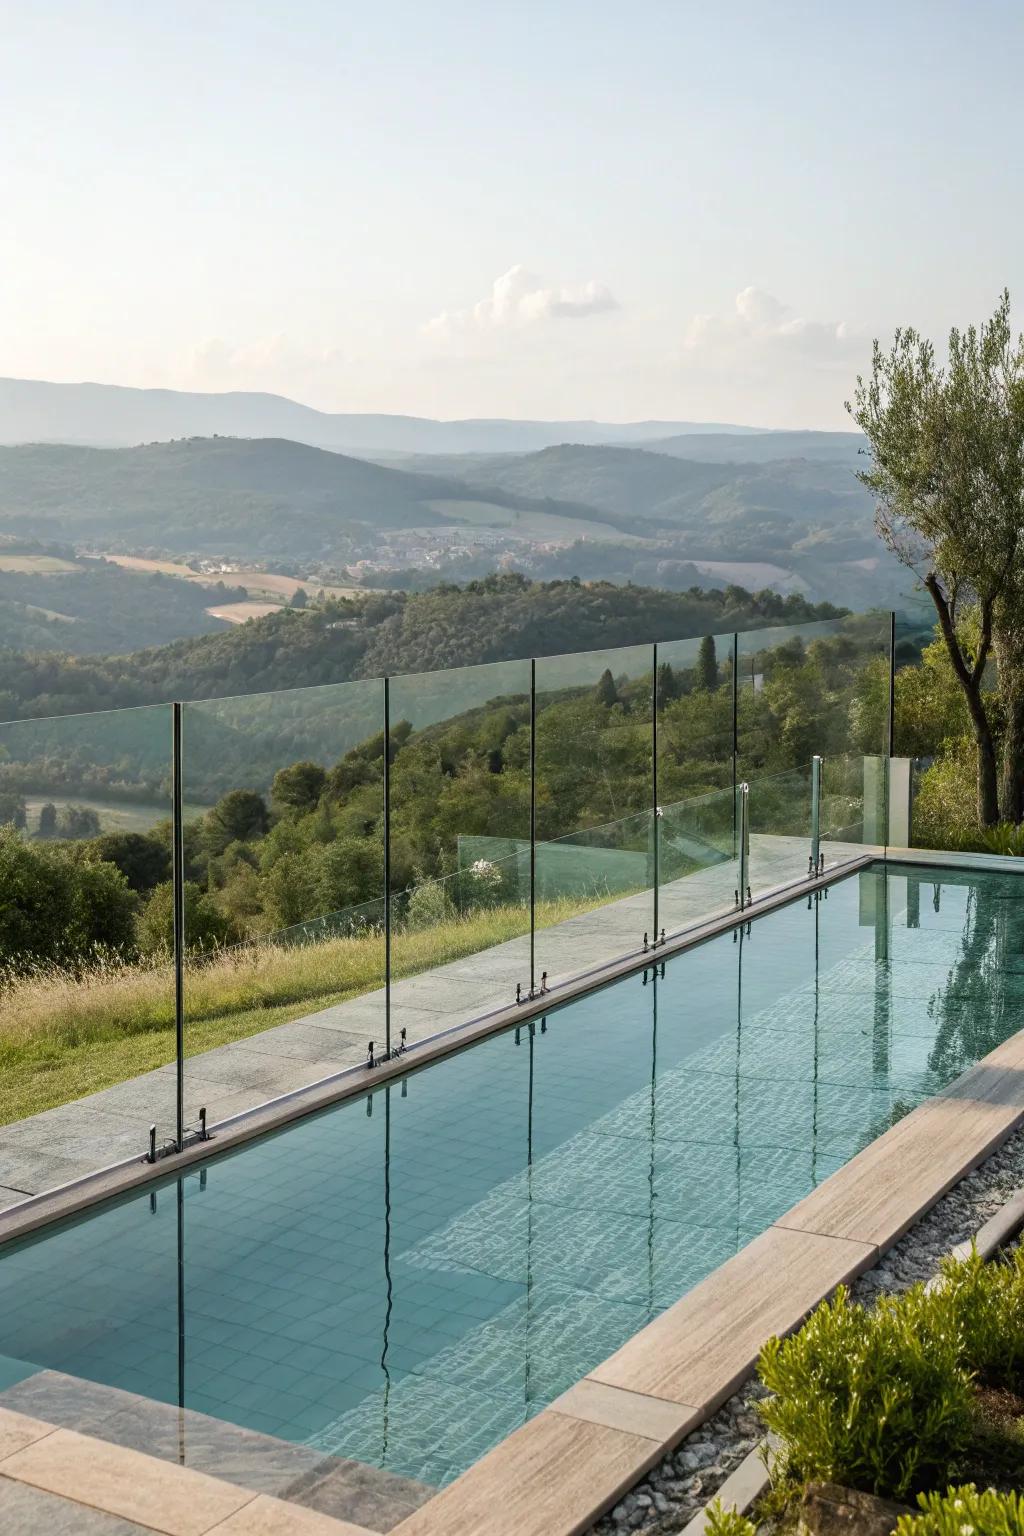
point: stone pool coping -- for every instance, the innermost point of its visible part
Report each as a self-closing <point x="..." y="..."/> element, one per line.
<point x="157" y="1496"/>
<point x="121" y="1178"/>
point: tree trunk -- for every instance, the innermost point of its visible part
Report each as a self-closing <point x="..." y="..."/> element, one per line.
<point x="1009" y="652"/>
<point x="988" y="795"/>
<point x="970" y="679"/>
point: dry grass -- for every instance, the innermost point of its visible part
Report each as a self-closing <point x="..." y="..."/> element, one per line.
<point x="64" y="1034"/>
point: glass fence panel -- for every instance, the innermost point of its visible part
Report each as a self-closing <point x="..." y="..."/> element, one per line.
<point x="779" y="812"/>
<point x="460" y="843"/>
<point x="853" y="805"/>
<point x="697" y="859"/>
<point x="812" y="688"/>
<point x="595" y="824"/>
<point x="86" y="979"/>
<point x="694" y="699"/>
<point x="284" y="906"/>
<point x="696" y="823"/>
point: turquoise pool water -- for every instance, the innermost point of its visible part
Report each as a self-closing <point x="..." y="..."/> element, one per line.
<point x="407" y="1277"/>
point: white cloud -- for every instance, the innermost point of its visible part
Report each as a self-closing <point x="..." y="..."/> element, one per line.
<point x="518" y="299"/>
<point x="760" y="322"/>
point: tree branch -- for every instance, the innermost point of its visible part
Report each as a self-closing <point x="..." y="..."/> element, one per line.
<point x="965" y="674"/>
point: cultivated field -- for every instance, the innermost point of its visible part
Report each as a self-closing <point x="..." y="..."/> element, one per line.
<point x="37" y="565"/>
<point x="238" y="613"/>
<point x="114" y="815"/>
<point x="518" y="523"/>
<point x="267" y="582"/>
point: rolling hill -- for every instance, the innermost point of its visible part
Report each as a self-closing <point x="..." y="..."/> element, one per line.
<point x="108" y="415"/>
<point x="612" y="512"/>
<point x="762" y="447"/>
<point x="757" y="511"/>
<point x="260" y="498"/>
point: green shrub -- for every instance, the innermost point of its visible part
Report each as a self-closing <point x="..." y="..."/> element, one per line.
<point x="59" y="904"/>
<point x="1004" y="837"/>
<point x="945" y="811"/>
<point x="429" y="904"/>
<point x="986" y="1306"/>
<point x="965" y="1512"/>
<point x="721" y="1521"/>
<point x="875" y="1400"/>
<point x="206" y="928"/>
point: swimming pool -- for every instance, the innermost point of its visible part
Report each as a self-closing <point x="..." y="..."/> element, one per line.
<point x="405" y="1278"/>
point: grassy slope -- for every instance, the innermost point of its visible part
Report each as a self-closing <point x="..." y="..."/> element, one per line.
<point x="64" y="1036"/>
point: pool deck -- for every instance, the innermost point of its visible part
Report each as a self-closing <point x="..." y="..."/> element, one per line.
<point x="297" y="1476"/>
<point x="61" y="1145"/>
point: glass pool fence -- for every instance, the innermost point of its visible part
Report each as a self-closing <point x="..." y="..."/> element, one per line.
<point x="226" y="900"/>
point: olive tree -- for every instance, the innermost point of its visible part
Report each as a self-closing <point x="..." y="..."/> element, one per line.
<point x="946" y="443"/>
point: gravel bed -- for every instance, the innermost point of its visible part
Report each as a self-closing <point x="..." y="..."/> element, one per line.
<point x="681" y="1484"/>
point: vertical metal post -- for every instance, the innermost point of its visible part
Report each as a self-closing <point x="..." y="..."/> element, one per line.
<point x="744" y="887"/>
<point x="533" y="825"/>
<point x="735" y="728"/>
<point x="814" y="864"/>
<point x="178" y="906"/>
<point x="656" y="830"/>
<point x="181" y="1321"/>
<point x="387" y="866"/>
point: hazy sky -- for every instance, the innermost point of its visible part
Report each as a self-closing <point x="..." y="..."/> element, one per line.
<point x="452" y="208"/>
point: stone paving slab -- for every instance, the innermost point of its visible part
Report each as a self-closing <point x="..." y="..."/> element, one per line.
<point x="538" y="1482"/>
<point x="152" y="1493"/>
<point x="264" y="1464"/>
<point x="27" y="1511"/>
<point x="55" y="1481"/>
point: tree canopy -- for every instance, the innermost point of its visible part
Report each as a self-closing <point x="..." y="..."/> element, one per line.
<point x="946" y="442"/>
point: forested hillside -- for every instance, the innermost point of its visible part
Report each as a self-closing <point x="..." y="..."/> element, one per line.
<point x="766" y="511"/>
<point x="252" y="498"/>
<point x="93" y="607"/>
<point x="490" y="620"/>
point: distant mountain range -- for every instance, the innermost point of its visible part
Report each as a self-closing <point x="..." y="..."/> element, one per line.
<point x="113" y="416"/>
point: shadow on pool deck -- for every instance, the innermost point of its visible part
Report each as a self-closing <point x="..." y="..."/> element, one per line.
<point x="63" y="1144"/>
